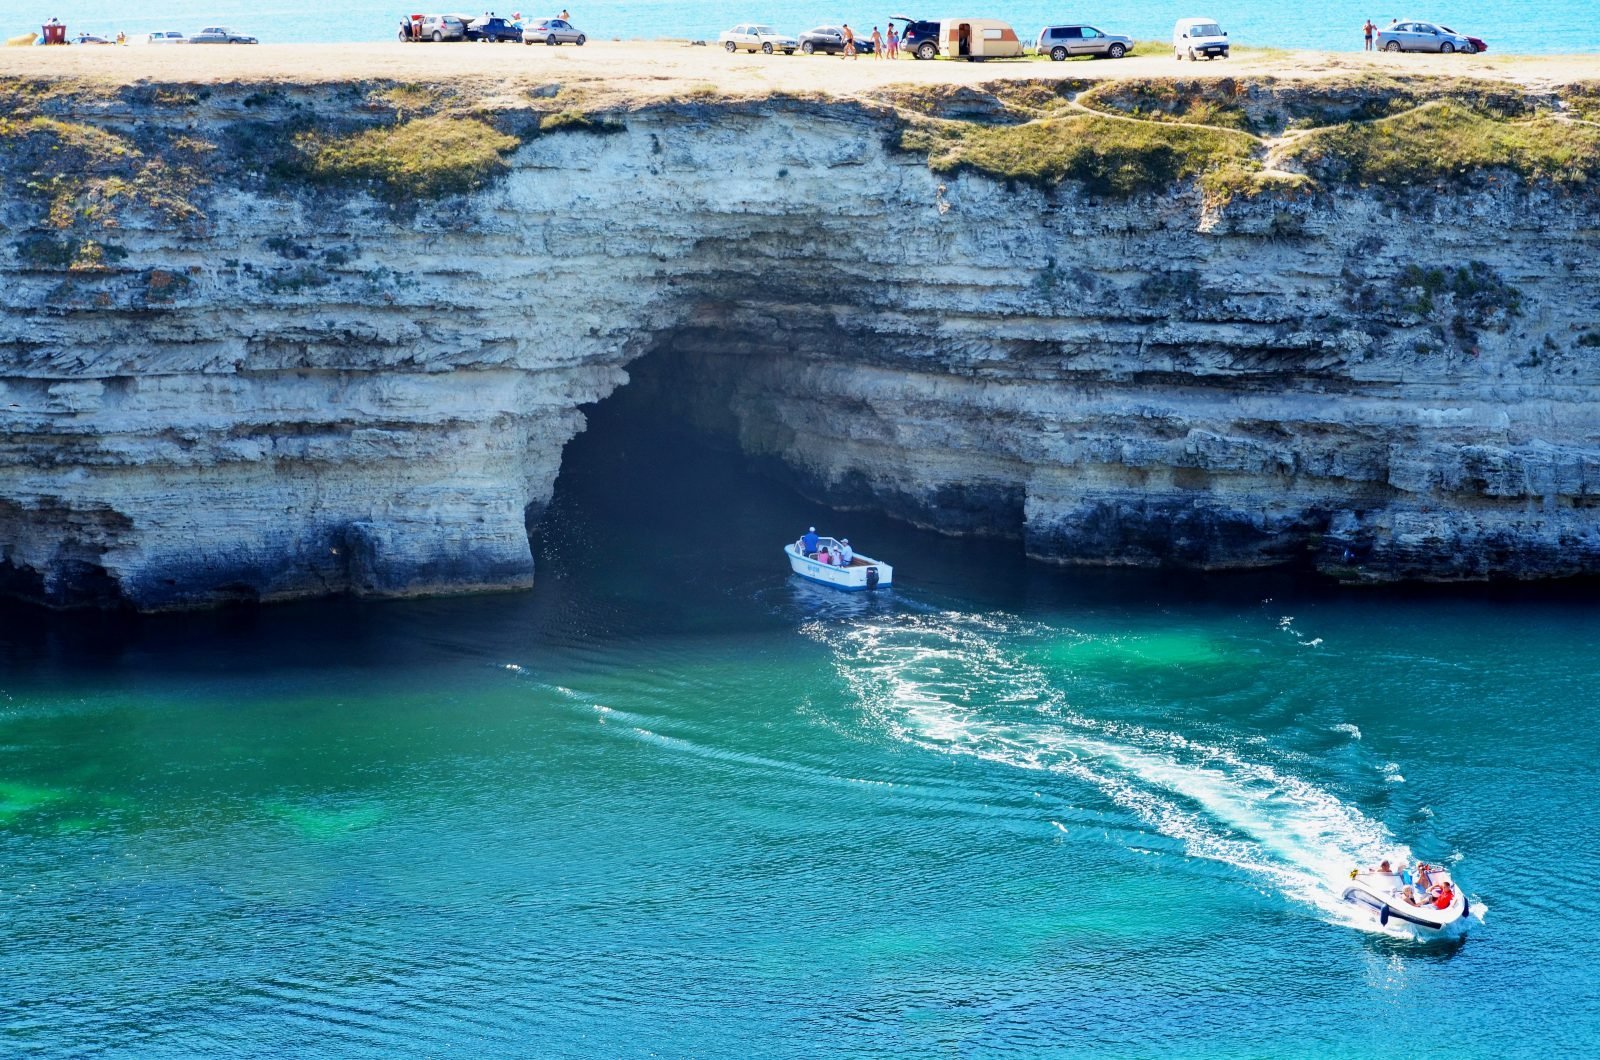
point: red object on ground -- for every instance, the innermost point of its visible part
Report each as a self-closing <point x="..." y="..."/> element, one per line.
<point x="56" y="34"/>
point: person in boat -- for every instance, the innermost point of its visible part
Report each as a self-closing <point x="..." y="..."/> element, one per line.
<point x="846" y="553"/>
<point x="808" y="543"/>
<point x="1443" y="895"/>
<point x="1424" y="878"/>
<point x="1383" y="868"/>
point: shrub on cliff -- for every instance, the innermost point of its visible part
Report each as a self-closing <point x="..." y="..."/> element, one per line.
<point x="83" y="174"/>
<point x="416" y="159"/>
<point x="1446" y="141"/>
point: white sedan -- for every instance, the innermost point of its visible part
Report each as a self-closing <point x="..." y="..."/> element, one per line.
<point x="754" y="37"/>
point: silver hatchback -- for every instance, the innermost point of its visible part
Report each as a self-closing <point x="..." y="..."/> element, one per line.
<point x="1059" y="42"/>
<point x="442" y="28"/>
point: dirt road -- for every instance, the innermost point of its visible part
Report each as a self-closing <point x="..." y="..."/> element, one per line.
<point x="652" y="69"/>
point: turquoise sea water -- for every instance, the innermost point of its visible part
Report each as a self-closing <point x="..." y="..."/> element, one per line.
<point x="1549" y="26"/>
<point x="673" y="802"/>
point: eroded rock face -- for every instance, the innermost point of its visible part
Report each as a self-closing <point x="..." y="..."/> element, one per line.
<point x="306" y="390"/>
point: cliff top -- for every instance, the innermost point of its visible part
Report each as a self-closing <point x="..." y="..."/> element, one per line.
<point x="650" y="70"/>
<point x="91" y="129"/>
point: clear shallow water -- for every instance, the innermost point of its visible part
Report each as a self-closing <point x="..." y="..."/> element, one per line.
<point x="674" y="805"/>
<point x="1559" y="26"/>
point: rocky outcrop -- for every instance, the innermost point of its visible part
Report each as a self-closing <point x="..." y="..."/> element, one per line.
<point x="239" y="382"/>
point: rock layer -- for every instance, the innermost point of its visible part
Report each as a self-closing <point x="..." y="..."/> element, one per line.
<point x="302" y="389"/>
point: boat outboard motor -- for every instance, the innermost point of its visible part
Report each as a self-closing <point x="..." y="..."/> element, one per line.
<point x="872" y="577"/>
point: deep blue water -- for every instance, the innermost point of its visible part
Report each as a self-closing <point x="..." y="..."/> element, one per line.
<point x="673" y="802"/>
<point x="1551" y="26"/>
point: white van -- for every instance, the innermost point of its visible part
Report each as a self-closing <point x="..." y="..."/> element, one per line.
<point x="1194" y="37"/>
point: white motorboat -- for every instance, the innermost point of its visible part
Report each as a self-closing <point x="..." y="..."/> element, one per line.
<point x="1386" y="895"/>
<point x="863" y="572"/>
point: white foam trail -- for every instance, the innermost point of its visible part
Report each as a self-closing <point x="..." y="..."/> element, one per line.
<point x="943" y="682"/>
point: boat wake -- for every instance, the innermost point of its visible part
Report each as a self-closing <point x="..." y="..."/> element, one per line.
<point x="948" y="683"/>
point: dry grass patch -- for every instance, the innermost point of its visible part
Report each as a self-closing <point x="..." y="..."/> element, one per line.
<point x="1441" y="142"/>
<point x="1108" y="156"/>
<point x="422" y="158"/>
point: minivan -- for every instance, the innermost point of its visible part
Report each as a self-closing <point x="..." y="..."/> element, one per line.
<point x="1194" y="37"/>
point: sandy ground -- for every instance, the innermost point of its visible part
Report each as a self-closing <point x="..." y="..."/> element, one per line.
<point x="646" y="69"/>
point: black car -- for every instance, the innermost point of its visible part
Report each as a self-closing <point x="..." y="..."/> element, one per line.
<point x="829" y="40"/>
<point x="493" y="29"/>
<point x="921" y="37"/>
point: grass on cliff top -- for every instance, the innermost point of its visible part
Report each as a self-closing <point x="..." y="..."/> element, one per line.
<point x="421" y="158"/>
<point x="1445" y="141"/>
<point x="1108" y="156"/>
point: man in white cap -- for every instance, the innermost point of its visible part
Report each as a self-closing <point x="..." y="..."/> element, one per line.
<point x="846" y="553"/>
<point x="809" y="542"/>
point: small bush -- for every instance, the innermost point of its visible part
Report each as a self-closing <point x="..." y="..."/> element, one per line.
<point x="573" y="120"/>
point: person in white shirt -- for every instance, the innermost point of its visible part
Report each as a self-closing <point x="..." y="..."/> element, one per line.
<point x="846" y="553"/>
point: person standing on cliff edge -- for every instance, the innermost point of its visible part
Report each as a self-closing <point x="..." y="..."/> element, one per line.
<point x="1369" y="29"/>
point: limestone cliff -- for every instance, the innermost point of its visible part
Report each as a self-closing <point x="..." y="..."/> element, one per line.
<point x="251" y="351"/>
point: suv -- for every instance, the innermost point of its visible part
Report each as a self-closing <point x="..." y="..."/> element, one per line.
<point x="1058" y="42"/>
<point x="494" y="28"/>
<point x="921" y="37"/>
<point x="443" y="27"/>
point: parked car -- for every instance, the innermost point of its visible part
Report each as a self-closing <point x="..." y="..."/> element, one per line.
<point x="90" y="38"/>
<point x="221" y="35"/>
<point x="1058" y="42"/>
<point x="169" y="37"/>
<point x="920" y="37"/>
<point x="442" y="28"/>
<point x="551" y="31"/>
<point x="494" y="28"/>
<point x="755" y="37"/>
<point x="830" y="41"/>
<point x="1194" y="37"/>
<point x="1426" y="37"/>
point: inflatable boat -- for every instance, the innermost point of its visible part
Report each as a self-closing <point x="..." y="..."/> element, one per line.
<point x="1394" y="901"/>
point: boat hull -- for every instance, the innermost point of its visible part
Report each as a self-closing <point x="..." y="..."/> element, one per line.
<point x="1379" y="894"/>
<point x="863" y="575"/>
